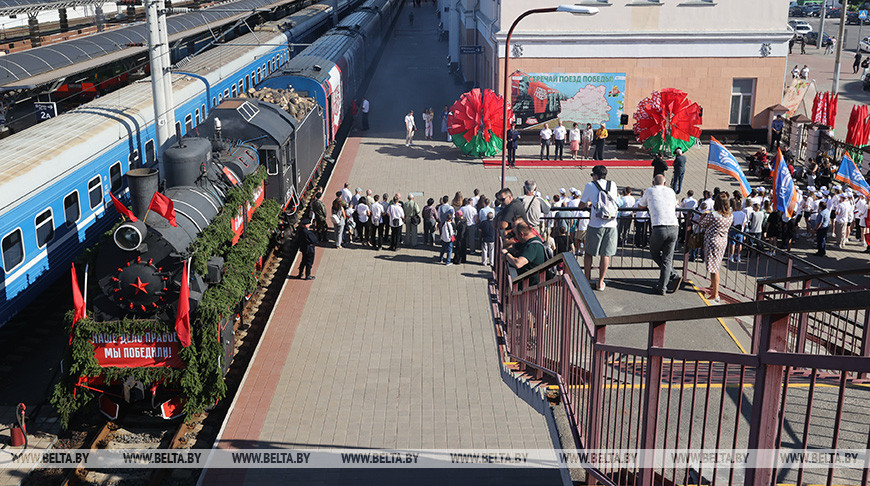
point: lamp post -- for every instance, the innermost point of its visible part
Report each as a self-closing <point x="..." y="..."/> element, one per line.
<point x="572" y="9"/>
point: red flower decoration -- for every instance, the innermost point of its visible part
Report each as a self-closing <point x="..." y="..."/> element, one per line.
<point x="478" y="113"/>
<point x="668" y="113"/>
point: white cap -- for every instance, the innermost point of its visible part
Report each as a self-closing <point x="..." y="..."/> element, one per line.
<point x="561" y="190"/>
<point x="573" y="190"/>
<point x="762" y="190"/>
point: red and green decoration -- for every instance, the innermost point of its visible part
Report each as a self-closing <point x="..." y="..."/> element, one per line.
<point x="667" y="120"/>
<point x="476" y="124"/>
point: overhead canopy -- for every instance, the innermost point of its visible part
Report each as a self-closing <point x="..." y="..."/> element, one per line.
<point x="17" y="7"/>
<point x="42" y="65"/>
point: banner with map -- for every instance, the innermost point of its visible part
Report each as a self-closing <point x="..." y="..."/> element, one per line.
<point x="572" y="97"/>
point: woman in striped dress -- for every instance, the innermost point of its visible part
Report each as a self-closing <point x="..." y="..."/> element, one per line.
<point x="715" y="226"/>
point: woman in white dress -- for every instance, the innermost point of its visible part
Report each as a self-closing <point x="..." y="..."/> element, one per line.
<point x="427" y="119"/>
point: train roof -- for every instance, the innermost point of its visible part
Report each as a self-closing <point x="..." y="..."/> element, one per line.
<point x="18" y="69"/>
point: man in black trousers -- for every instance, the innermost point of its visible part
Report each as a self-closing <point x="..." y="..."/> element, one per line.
<point x="307" y="242"/>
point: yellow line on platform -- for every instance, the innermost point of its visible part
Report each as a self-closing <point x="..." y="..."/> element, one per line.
<point x="721" y="322"/>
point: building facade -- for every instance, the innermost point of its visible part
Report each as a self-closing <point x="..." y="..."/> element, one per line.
<point x="728" y="55"/>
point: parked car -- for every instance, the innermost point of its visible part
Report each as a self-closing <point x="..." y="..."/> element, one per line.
<point x="864" y="45"/>
<point x="812" y="38"/>
<point x="800" y="27"/>
<point x="796" y="11"/>
<point x="812" y="10"/>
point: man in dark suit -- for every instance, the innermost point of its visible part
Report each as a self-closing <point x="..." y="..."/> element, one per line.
<point x="307" y="242"/>
<point x="513" y="140"/>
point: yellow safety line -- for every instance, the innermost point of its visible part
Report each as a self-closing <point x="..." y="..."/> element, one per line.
<point x="721" y="322"/>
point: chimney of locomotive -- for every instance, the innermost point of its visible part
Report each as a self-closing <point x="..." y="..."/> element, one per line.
<point x="183" y="163"/>
<point x="143" y="184"/>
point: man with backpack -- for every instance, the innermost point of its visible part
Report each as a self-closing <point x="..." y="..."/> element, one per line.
<point x="599" y="197"/>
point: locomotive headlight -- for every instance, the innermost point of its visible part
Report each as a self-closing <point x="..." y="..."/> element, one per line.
<point x="129" y="236"/>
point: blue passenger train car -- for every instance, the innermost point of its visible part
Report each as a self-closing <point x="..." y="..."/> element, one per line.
<point x="55" y="178"/>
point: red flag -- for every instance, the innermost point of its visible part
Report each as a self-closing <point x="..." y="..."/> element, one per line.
<point x="182" y="318"/>
<point x="122" y="209"/>
<point x="163" y="206"/>
<point x="78" y="302"/>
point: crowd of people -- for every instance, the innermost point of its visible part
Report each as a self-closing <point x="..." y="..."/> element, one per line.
<point x="595" y="221"/>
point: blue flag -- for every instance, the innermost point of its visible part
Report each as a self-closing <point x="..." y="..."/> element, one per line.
<point x="721" y="159"/>
<point x="784" y="189"/>
<point x="850" y="175"/>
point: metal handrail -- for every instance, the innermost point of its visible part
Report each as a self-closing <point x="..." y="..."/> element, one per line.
<point x="800" y="278"/>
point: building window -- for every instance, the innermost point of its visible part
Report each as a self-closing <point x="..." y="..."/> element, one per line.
<point x="115" y="176"/>
<point x="95" y="192"/>
<point x="44" y="228"/>
<point x="742" y="91"/>
<point x="13" y="250"/>
<point x="71" y="210"/>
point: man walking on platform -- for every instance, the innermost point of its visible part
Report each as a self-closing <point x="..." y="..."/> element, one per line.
<point x="661" y="203"/>
<point x="410" y="127"/>
<point x="307" y="242"/>
<point x="679" y="170"/>
<point x="365" y="114"/>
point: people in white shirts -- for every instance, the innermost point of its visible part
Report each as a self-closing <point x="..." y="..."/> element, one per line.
<point x="469" y="214"/>
<point x="396" y="219"/>
<point x="365" y="226"/>
<point x="738" y="225"/>
<point x="410" y="127"/>
<point x="346" y="195"/>
<point x="574" y="139"/>
<point x="623" y="225"/>
<point x="377" y="223"/>
<point x="559" y="136"/>
<point x="860" y="218"/>
<point x="845" y="213"/>
<point x="661" y="202"/>
<point x="546" y="135"/>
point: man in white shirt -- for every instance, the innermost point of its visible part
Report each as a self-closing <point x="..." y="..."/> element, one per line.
<point x="559" y="135"/>
<point x="410" y="126"/>
<point x="546" y="135"/>
<point x="365" y="114"/>
<point x="365" y="227"/>
<point x="395" y="218"/>
<point x="601" y="234"/>
<point x="860" y="217"/>
<point x="346" y="195"/>
<point x="377" y="231"/>
<point x="845" y="211"/>
<point x="661" y="202"/>
<point x="469" y="214"/>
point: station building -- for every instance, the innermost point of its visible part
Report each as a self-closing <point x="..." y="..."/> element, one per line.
<point x="728" y="55"/>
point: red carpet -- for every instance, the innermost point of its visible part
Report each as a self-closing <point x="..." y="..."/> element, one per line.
<point x="492" y="163"/>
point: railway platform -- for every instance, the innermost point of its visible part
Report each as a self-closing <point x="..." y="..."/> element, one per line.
<point x="392" y="350"/>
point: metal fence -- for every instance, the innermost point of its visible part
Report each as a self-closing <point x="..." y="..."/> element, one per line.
<point x="654" y="397"/>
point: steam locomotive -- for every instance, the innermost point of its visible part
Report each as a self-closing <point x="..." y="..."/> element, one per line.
<point x="250" y="161"/>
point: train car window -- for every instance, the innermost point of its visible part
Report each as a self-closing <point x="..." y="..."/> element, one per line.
<point x="247" y="82"/>
<point x="271" y="158"/>
<point x="178" y="129"/>
<point x="226" y="93"/>
<point x="241" y="86"/>
<point x="95" y="192"/>
<point x="235" y="93"/>
<point x="13" y="250"/>
<point x="150" y="156"/>
<point x="71" y="209"/>
<point x="265" y="70"/>
<point x="259" y="75"/>
<point x="204" y="112"/>
<point x="188" y="122"/>
<point x="115" y="179"/>
<point x="196" y="112"/>
<point x="213" y="101"/>
<point x="133" y="159"/>
<point x="44" y="224"/>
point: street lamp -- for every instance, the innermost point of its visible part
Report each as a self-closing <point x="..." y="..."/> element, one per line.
<point x="572" y="9"/>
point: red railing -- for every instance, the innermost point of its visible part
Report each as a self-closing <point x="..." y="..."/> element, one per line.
<point x="659" y="398"/>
